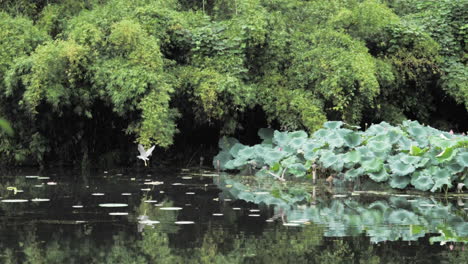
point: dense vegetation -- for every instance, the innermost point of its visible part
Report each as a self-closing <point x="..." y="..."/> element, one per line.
<point x="74" y="72"/>
<point x="405" y="155"/>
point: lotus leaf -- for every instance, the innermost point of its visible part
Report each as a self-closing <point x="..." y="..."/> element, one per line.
<point x="422" y="182"/>
<point x="298" y="134"/>
<point x="333" y="124"/>
<point x="401" y="169"/>
<point x="403" y="217"/>
<point x="235" y="149"/>
<point x="454" y="167"/>
<point x="352" y="157"/>
<point x="377" y="129"/>
<point x="410" y="159"/>
<point x="365" y="152"/>
<point x="447" y="154"/>
<point x="281" y="138"/>
<point x="266" y="134"/>
<point x="226" y="143"/>
<point x="328" y="159"/>
<point x="379" y="146"/>
<point x="352" y="139"/>
<point x="223" y="157"/>
<point x="438" y="173"/>
<point x="417" y="151"/>
<point x="229" y="165"/>
<point x="353" y="173"/>
<point x="298" y="169"/>
<point x="373" y="165"/>
<point x="334" y="140"/>
<point x="239" y="162"/>
<point x="462" y="159"/>
<point x="246" y="196"/>
<point x="246" y="153"/>
<point x="440" y="182"/>
<point x="289" y="161"/>
<point x="399" y="182"/>
<point x="379" y="176"/>
<point x="297" y="143"/>
<point x="273" y="156"/>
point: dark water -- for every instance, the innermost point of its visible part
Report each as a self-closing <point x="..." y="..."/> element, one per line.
<point x="218" y="220"/>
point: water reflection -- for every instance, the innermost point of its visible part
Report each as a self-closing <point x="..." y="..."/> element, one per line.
<point x="332" y="230"/>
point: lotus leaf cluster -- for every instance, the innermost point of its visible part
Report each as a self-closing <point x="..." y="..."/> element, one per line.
<point x="402" y="156"/>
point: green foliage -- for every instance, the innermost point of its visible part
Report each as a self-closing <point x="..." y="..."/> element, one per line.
<point x="427" y="158"/>
<point x="155" y="63"/>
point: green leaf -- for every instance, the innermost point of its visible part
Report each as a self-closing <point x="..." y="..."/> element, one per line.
<point x="352" y="139"/>
<point x="462" y="159"/>
<point x="401" y="169"/>
<point x="333" y="124"/>
<point x="379" y="176"/>
<point x="266" y="134"/>
<point x="422" y="182"/>
<point x="447" y="154"/>
<point x="417" y="151"/>
<point x="273" y="156"/>
<point x="298" y="169"/>
<point x="235" y="149"/>
<point x="373" y="165"/>
<point x="353" y="173"/>
<point x="5" y="126"/>
<point x="352" y="157"/>
<point x="226" y="143"/>
<point x="379" y="146"/>
<point x="399" y="182"/>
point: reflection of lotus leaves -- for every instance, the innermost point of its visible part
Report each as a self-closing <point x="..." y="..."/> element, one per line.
<point x="379" y="233"/>
<point x="402" y="217"/>
<point x="372" y="217"/>
<point x="382" y="206"/>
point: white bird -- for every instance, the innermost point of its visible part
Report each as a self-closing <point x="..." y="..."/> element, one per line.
<point x="144" y="154"/>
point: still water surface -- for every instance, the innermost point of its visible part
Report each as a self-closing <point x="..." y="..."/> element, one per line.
<point x="198" y="217"/>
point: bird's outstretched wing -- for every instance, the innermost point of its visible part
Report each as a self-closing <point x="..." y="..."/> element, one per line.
<point x="141" y="149"/>
<point x="149" y="151"/>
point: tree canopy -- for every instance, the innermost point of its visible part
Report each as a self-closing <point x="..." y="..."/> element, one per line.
<point x="145" y="67"/>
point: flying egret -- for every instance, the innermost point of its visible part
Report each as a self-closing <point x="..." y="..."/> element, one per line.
<point x="144" y="154"/>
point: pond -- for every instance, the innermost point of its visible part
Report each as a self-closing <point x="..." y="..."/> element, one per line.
<point x="198" y="216"/>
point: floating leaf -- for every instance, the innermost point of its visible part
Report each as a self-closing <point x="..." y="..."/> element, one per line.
<point x="113" y="205"/>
